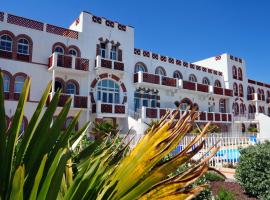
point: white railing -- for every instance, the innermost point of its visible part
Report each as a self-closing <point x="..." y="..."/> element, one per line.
<point x="244" y="117"/>
<point x="228" y="154"/>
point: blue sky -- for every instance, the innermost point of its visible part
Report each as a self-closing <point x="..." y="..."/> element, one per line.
<point x="184" y="29"/>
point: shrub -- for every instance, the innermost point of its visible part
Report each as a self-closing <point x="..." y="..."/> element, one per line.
<point x="224" y="194"/>
<point x="253" y="170"/>
<point x="213" y="176"/>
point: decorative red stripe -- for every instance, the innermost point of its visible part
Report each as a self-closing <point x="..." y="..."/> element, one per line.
<point x="28" y="23"/>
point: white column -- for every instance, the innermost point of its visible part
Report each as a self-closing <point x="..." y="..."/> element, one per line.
<point x="88" y="100"/>
<point x="98" y="63"/>
<point x="53" y="83"/>
<point x="73" y="62"/>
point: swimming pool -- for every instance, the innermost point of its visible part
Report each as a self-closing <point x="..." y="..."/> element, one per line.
<point x="227" y="155"/>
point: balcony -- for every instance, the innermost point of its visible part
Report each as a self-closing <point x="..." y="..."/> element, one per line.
<point x="68" y="64"/>
<point x="110" y="110"/>
<point x="153" y="80"/>
<point x="23" y="57"/>
<point x="77" y="102"/>
<point x="256" y="97"/>
<point x="222" y="91"/>
<point x="6" y="54"/>
<point x="157" y="113"/>
<point x="104" y="65"/>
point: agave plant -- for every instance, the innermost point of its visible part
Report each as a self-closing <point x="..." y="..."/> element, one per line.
<point x="44" y="166"/>
<point x="35" y="168"/>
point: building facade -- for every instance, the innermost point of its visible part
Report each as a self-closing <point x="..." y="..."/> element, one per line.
<point x="95" y="63"/>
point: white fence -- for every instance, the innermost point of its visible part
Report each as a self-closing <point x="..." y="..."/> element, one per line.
<point x="228" y="154"/>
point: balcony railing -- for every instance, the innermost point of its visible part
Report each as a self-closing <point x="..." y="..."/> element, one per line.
<point x="156" y="80"/>
<point x="69" y="62"/>
<point x="110" y="109"/>
<point x="144" y="77"/>
<point x="202" y="87"/>
<point x="76" y="100"/>
<point x="189" y="85"/>
<point x="6" y="54"/>
<point x="256" y="97"/>
<point x="157" y="113"/>
<point x="109" y="64"/>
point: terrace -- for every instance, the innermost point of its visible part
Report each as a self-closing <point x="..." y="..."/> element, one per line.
<point x="156" y="81"/>
<point x="68" y="64"/>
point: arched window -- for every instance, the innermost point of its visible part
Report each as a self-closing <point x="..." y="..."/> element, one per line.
<point x="235" y="89"/>
<point x="242" y="108"/>
<point x="23" y="46"/>
<point x="103" y="50"/>
<point x="222" y="106"/>
<point x="249" y="90"/>
<point x="18" y="84"/>
<point x="6" y="83"/>
<point x="250" y="109"/>
<point x="192" y="78"/>
<point x="205" y="81"/>
<point x="177" y="74"/>
<point x="140" y="67"/>
<point x="241" y="91"/>
<point x="236" y="108"/>
<point x="160" y="71"/>
<point x="58" y="85"/>
<point x="240" y="74"/>
<point x="6" y="43"/>
<point x="217" y="83"/>
<point x="59" y="49"/>
<point x="113" y="53"/>
<point x="108" y="91"/>
<point x="185" y="103"/>
<point x="73" y="52"/>
<point x="71" y="88"/>
<point x="234" y="72"/>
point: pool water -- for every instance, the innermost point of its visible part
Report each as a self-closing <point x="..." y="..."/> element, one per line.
<point x="227" y="155"/>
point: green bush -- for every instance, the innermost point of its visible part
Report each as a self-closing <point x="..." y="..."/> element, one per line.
<point x="213" y="176"/>
<point x="224" y="194"/>
<point x="253" y="170"/>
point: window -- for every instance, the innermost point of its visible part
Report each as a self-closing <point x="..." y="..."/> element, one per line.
<point x="71" y="88"/>
<point x="235" y="89"/>
<point x="6" y="83"/>
<point x="206" y="81"/>
<point x="145" y="98"/>
<point x="240" y="74"/>
<point x="59" y="50"/>
<point x="234" y="71"/>
<point x="108" y="91"/>
<point x="18" y="85"/>
<point x="192" y="78"/>
<point x="103" y="50"/>
<point x="185" y="103"/>
<point x="249" y="90"/>
<point x="140" y="67"/>
<point x="113" y="54"/>
<point x="6" y="43"/>
<point x="72" y="52"/>
<point x="217" y="83"/>
<point x="236" y="108"/>
<point x="241" y="92"/>
<point x="23" y="126"/>
<point x="222" y="106"/>
<point x="160" y="71"/>
<point x="58" y="86"/>
<point x="177" y="74"/>
<point x="242" y="108"/>
<point x="23" y="46"/>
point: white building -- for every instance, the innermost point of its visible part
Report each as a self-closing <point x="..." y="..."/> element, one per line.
<point x="96" y="63"/>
